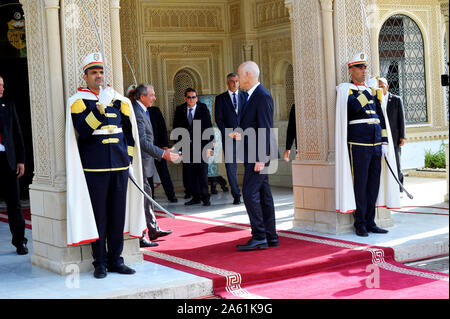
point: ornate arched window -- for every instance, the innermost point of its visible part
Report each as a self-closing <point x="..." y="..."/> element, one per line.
<point x="185" y="78"/>
<point x="402" y="63"/>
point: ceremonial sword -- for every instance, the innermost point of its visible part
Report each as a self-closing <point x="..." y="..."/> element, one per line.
<point x="396" y="179"/>
<point x="104" y="72"/>
<point x="132" y="71"/>
<point x="151" y="199"/>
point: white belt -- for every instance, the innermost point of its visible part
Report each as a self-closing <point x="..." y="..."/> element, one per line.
<point x="108" y="131"/>
<point x="368" y="121"/>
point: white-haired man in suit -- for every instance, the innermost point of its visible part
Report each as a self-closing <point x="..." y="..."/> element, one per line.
<point x="145" y="97"/>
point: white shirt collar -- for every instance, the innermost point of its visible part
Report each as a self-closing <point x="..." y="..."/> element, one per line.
<point x="231" y="93"/>
<point x="142" y="106"/>
<point x="193" y="109"/>
<point x="250" y="92"/>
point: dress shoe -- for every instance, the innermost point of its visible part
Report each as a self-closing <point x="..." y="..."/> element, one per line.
<point x="122" y="269"/>
<point x="362" y="232"/>
<point x="193" y="202"/>
<point x="159" y="233"/>
<point x="377" y="230"/>
<point x="22" y="249"/>
<point x="236" y="201"/>
<point x="173" y="200"/>
<point x="207" y="203"/>
<point x="143" y="242"/>
<point x="273" y="243"/>
<point x="253" y="244"/>
<point x="100" y="272"/>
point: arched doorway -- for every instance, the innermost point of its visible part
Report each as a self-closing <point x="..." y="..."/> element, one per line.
<point x="183" y="79"/>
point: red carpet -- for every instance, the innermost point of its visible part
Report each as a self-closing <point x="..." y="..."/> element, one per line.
<point x="304" y="266"/>
<point x="26" y="215"/>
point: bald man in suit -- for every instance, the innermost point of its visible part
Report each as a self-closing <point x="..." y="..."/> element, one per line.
<point x="257" y="115"/>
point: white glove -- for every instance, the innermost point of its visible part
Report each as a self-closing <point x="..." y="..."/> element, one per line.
<point x="372" y="82"/>
<point x="106" y="96"/>
<point x="384" y="150"/>
<point x="130" y="172"/>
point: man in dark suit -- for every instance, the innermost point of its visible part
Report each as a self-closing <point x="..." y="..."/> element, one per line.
<point x="228" y="109"/>
<point x="194" y="117"/>
<point x="12" y="159"/>
<point x="162" y="141"/>
<point x="145" y="96"/>
<point x="396" y="116"/>
<point x="257" y="116"/>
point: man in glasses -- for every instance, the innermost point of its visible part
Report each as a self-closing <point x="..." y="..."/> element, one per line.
<point x="194" y="116"/>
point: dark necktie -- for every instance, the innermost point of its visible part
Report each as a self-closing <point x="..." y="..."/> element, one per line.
<point x="190" y="117"/>
<point x="235" y="103"/>
<point x="148" y="114"/>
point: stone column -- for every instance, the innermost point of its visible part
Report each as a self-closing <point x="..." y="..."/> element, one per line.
<point x="323" y="34"/>
<point x="372" y="25"/>
<point x="56" y="32"/>
<point x="314" y="82"/>
<point x="47" y="192"/>
<point x="116" y="46"/>
<point x="330" y="71"/>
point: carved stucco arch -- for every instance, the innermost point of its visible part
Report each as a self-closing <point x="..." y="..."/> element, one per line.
<point x="281" y="71"/>
<point x="192" y="79"/>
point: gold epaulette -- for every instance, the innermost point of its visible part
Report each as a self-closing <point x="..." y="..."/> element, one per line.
<point x="380" y="95"/>
<point x="77" y="107"/>
<point x="125" y="108"/>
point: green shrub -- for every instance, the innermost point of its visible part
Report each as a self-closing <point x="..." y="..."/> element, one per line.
<point x="436" y="159"/>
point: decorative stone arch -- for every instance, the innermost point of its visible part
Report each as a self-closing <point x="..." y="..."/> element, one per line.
<point x="182" y="79"/>
<point x="283" y="89"/>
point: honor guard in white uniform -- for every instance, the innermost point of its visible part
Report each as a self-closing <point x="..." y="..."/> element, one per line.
<point x="101" y="143"/>
<point x="362" y="143"/>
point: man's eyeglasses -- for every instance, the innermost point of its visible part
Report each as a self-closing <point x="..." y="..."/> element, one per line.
<point x="191" y="97"/>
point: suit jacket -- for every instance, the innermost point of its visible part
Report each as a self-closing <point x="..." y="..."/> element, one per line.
<point x="12" y="138"/>
<point x="159" y="127"/>
<point x="258" y="113"/>
<point x="396" y="118"/>
<point x="225" y="114"/>
<point x="180" y="120"/>
<point x="149" y="151"/>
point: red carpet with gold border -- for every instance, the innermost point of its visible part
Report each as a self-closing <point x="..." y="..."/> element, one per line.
<point x="303" y="267"/>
